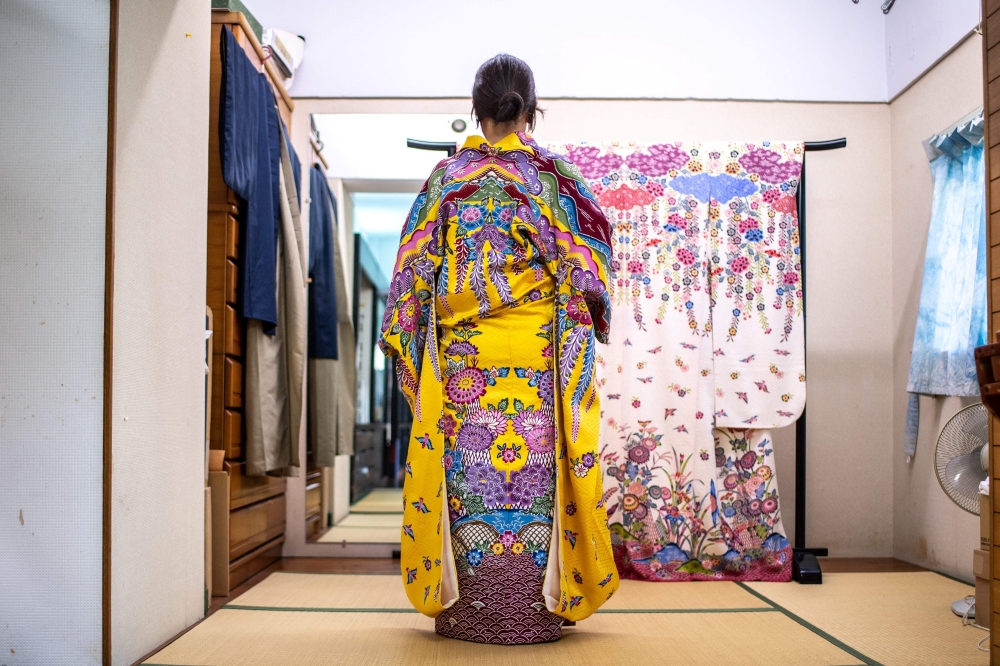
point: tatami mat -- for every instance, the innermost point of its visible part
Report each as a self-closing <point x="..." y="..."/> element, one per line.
<point x="380" y="500"/>
<point x="340" y="534"/>
<point x="872" y="618"/>
<point x="897" y="618"/>
<point x="346" y="591"/>
<point x="372" y="520"/>
<point x="297" y="638"/>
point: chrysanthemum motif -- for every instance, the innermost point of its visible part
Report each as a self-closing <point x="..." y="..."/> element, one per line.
<point x="474" y="437"/>
<point x="466" y="385"/>
<point x="529" y="482"/>
<point x="409" y="314"/>
<point x="461" y="348"/>
<point x="537" y="429"/>
<point x="492" y="419"/>
<point x="638" y="454"/>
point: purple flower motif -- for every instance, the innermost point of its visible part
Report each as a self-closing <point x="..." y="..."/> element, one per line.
<point x="401" y="283"/>
<point x="531" y="481"/>
<point x="487" y="482"/>
<point x="662" y="158"/>
<point x="591" y="165"/>
<point x="768" y="165"/>
<point x="490" y="233"/>
<point x="508" y="538"/>
<point x="546" y="387"/>
<point x="587" y="459"/>
<point x="474" y="437"/>
<point x="587" y="283"/>
<point x="461" y="348"/>
<point x="471" y="214"/>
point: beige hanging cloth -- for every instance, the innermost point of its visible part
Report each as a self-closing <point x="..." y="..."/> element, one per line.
<point x="331" y="381"/>
<point x="276" y="363"/>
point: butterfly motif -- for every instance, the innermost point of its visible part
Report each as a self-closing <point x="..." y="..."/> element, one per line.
<point x="614" y="396"/>
<point x="628" y="343"/>
<point x="718" y="352"/>
<point x="411" y="575"/>
<point x="408" y="531"/>
<point x="575" y="601"/>
<point x="570" y="536"/>
<point x="427" y="593"/>
<point x="607" y="579"/>
<point x="787" y="415"/>
<point x="688" y="345"/>
<point x="782" y="352"/>
<point x="752" y="419"/>
<point x="645" y="380"/>
<point x="655" y="350"/>
<point x="425" y="442"/>
<point x="742" y="396"/>
<point x="437" y="590"/>
<point x="681" y="428"/>
<point x="437" y="562"/>
<point x="420" y="506"/>
<point x="762" y="386"/>
<point x="721" y="413"/>
<point x="747" y="359"/>
<point x="409" y="470"/>
<point x="669" y="411"/>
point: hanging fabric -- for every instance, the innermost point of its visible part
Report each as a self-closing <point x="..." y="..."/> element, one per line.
<point x="706" y="353"/>
<point x="951" y="319"/>
<point x="331" y="334"/>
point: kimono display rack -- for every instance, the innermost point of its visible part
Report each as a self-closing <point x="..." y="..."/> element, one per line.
<point x="806" y="568"/>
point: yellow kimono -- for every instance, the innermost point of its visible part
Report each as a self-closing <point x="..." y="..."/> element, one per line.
<point x="498" y="300"/>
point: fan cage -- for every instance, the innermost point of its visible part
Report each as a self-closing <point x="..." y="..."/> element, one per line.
<point x="961" y="435"/>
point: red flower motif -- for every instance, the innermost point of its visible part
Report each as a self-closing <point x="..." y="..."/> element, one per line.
<point x="409" y="314"/>
<point x="577" y="310"/>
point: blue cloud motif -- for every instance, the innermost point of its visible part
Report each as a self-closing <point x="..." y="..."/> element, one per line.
<point x="703" y="186"/>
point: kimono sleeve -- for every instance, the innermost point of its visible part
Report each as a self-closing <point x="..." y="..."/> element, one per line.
<point x="409" y="314"/>
<point x="591" y="239"/>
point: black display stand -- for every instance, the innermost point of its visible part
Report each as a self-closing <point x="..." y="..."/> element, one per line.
<point x="805" y="567"/>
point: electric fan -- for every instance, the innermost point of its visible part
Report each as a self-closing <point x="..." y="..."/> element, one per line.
<point x="961" y="459"/>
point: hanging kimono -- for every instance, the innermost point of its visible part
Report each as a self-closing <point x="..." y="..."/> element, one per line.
<point x="498" y="300"/>
<point x="706" y="353"/>
<point x="331" y="334"/>
<point x="275" y="362"/>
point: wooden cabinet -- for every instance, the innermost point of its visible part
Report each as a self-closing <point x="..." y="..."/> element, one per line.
<point x="255" y="530"/>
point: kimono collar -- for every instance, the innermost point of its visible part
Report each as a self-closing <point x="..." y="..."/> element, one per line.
<point x="513" y="141"/>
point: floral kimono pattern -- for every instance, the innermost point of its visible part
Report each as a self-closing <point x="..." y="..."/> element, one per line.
<point x="498" y="300"/>
<point x="706" y="353"/>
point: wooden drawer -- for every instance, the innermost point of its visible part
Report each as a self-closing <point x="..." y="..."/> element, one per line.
<point x="232" y="238"/>
<point x="313" y="499"/>
<point x="232" y="277"/>
<point x="233" y="389"/>
<point x="232" y="433"/>
<point x="246" y="490"/>
<point x="233" y="332"/>
<point x="254" y="525"/>
<point x="254" y="561"/>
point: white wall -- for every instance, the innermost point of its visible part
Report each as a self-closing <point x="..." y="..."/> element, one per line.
<point x="919" y="32"/>
<point x="831" y="50"/>
<point x="158" y="445"/>
<point x="930" y="529"/>
<point x="53" y="167"/>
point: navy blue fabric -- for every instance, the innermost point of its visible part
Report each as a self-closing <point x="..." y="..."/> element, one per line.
<point x="323" y="289"/>
<point x="250" y="163"/>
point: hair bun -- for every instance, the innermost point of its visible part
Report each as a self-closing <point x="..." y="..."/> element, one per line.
<point x="511" y="107"/>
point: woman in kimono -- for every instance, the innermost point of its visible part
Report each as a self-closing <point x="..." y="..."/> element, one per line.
<point x="498" y="299"/>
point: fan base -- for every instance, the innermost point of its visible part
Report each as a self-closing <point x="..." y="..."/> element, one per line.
<point x="960" y="607"/>
<point x="805" y="568"/>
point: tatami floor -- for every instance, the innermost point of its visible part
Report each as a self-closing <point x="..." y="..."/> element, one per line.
<point x="885" y="612"/>
<point x="375" y="518"/>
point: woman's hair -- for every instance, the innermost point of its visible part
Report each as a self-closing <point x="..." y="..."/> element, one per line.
<point x="504" y="90"/>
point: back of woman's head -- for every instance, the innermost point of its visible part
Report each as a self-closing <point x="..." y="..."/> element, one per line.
<point x="504" y="91"/>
